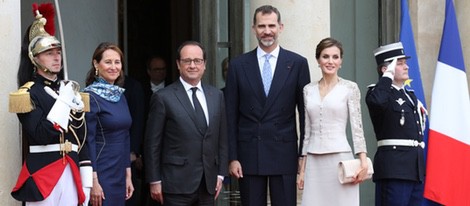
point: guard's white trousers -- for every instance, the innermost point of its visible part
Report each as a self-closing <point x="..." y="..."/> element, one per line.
<point x="63" y="194"/>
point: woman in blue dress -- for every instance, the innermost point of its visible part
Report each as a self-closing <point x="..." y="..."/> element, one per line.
<point x="108" y="124"/>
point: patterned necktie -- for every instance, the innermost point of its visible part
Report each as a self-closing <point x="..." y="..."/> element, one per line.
<point x="201" y="118"/>
<point x="267" y="74"/>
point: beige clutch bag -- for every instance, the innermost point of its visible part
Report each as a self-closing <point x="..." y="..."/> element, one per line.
<point x="347" y="169"/>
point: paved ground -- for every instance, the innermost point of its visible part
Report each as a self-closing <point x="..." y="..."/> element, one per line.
<point x="233" y="198"/>
<point x="299" y="197"/>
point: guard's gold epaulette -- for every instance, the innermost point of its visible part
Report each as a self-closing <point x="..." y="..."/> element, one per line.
<point x="86" y="101"/>
<point x="20" y="101"/>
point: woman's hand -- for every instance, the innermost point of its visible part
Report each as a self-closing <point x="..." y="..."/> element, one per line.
<point x="361" y="173"/>
<point x="129" y="186"/>
<point x="97" y="194"/>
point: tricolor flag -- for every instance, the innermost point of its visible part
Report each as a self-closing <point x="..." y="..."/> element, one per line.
<point x="448" y="163"/>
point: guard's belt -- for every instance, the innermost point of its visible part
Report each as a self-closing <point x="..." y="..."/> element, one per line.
<point x="401" y="142"/>
<point x="50" y="148"/>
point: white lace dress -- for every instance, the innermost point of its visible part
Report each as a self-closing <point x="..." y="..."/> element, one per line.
<point x="326" y="143"/>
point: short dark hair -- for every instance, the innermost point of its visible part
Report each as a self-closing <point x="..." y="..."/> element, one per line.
<point x="380" y="66"/>
<point x="186" y="43"/>
<point x="267" y="9"/>
<point x="327" y="43"/>
<point x="152" y="57"/>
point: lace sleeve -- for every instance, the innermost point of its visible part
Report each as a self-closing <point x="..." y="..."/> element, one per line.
<point x="355" y="116"/>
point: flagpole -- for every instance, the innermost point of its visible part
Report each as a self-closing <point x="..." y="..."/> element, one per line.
<point x="62" y="40"/>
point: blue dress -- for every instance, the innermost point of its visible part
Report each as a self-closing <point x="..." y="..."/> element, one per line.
<point x="109" y="145"/>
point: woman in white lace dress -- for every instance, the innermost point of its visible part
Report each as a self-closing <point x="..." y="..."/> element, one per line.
<point x="329" y="103"/>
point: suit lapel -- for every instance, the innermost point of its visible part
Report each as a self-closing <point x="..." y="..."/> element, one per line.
<point x="281" y="74"/>
<point x="182" y="96"/>
<point x="253" y="76"/>
<point x="413" y="97"/>
<point x="211" y="104"/>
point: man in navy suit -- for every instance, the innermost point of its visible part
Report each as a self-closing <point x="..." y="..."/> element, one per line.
<point x="186" y="137"/>
<point x="263" y="89"/>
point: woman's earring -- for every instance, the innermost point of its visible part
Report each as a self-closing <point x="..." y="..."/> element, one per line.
<point x="96" y="72"/>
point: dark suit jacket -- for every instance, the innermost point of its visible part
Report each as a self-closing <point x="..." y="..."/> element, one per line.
<point x="262" y="130"/>
<point x="176" y="152"/>
<point x="395" y="162"/>
<point x="136" y="102"/>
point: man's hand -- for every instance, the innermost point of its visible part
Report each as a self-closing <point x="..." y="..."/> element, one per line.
<point x="301" y="172"/>
<point x="218" y="187"/>
<point x="236" y="169"/>
<point x="301" y="180"/>
<point x="156" y="192"/>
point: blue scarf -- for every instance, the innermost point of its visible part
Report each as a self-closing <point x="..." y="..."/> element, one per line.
<point x="105" y="90"/>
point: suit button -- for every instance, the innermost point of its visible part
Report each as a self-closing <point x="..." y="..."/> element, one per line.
<point x="259" y="138"/>
<point x="394" y="147"/>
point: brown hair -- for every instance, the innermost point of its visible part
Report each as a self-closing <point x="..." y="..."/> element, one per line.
<point x="97" y="56"/>
<point x="327" y="43"/>
<point x="267" y="9"/>
<point x="193" y="43"/>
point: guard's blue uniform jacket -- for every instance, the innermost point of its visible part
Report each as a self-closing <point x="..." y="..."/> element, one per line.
<point x="394" y="116"/>
<point x="42" y="170"/>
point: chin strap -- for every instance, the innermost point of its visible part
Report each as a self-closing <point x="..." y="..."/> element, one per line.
<point x="44" y="69"/>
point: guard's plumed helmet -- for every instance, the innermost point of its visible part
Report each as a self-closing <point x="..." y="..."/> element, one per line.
<point x="40" y="34"/>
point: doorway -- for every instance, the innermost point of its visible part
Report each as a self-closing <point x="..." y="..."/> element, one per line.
<point x="149" y="28"/>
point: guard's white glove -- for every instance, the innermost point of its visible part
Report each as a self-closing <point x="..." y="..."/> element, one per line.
<point x="86" y="174"/>
<point x="67" y="95"/>
<point x="87" y="191"/>
<point x="66" y="100"/>
<point x="78" y="103"/>
<point x="390" y="71"/>
<point x="59" y="113"/>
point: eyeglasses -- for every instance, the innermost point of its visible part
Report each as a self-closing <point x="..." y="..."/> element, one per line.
<point x="188" y="61"/>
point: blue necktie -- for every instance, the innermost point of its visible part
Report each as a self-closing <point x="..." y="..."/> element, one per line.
<point x="267" y="74"/>
<point x="201" y="117"/>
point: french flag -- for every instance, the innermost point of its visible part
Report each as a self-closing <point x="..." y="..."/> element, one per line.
<point x="448" y="161"/>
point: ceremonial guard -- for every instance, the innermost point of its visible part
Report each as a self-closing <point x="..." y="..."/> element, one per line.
<point x="398" y="119"/>
<point x="51" y="112"/>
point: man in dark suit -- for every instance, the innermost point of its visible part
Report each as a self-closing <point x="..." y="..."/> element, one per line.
<point x="156" y="70"/>
<point x="398" y="119"/>
<point x="263" y="140"/>
<point x="186" y="138"/>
